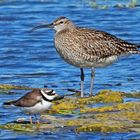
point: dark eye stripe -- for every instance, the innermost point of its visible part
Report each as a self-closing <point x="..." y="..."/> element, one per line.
<point x="48" y="93"/>
<point x="52" y="94"/>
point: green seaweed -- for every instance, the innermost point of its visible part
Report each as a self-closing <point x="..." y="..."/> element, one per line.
<point x="10" y="87"/>
<point x="133" y="3"/>
<point x="68" y="105"/>
<point x="104" y="96"/>
<point x="132" y="95"/>
<point x="100" y="127"/>
<point x="18" y="127"/>
<point x="102" y="5"/>
<point x="116" y="116"/>
<point x="118" y="107"/>
<point x="122" y="120"/>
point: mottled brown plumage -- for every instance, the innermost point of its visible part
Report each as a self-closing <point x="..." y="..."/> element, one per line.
<point x="83" y="47"/>
<point x="87" y="48"/>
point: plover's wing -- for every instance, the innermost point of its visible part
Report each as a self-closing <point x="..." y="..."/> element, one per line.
<point x="29" y="99"/>
<point x="22" y="102"/>
<point x="26" y="102"/>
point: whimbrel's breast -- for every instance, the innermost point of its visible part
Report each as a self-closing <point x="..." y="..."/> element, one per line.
<point x="74" y="54"/>
<point x="70" y="53"/>
<point x="73" y="51"/>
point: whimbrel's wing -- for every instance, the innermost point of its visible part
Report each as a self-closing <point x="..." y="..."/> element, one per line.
<point x="29" y="99"/>
<point x="101" y="44"/>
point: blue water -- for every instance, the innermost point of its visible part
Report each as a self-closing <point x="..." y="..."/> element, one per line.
<point x="31" y="60"/>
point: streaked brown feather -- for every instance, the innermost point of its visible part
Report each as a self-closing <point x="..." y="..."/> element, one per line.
<point x="77" y="45"/>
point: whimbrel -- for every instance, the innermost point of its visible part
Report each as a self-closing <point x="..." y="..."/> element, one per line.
<point x="36" y="101"/>
<point x="87" y="48"/>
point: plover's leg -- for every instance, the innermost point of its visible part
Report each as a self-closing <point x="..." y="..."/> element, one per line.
<point x="37" y="119"/>
<point x="92" y="80"/>
<point x="31" y="121"/>
<point x="82" y="82"/>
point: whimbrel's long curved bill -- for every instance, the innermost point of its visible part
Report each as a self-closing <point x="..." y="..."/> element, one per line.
<point x="42" y="26"/>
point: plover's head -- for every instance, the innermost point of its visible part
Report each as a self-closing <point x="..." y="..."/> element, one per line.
<point x="59" y="24"/>
<point x="48" y="94"/>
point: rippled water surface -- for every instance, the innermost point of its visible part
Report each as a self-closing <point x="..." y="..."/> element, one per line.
<point x="30" y="59"/>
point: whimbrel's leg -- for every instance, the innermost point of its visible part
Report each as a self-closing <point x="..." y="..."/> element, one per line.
<point x="92" y="81"/>
<point x="82" y="82"/>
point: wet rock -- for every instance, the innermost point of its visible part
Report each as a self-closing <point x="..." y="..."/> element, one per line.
<point x="114" y="116"/>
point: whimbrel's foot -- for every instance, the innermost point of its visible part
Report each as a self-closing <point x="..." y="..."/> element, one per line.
<point x="91" y="94"/>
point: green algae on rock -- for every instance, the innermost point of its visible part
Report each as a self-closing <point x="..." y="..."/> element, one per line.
<point x="115" y="117"/>
<point x="10" y="87"/>
<point x="125" y="119"/>
<point x="132" y="95"/>
<point x="118" y="107"/>
<point x="105" y="5"/>
<point x="18" y="127"/>
<point x="104" y="96"/>
<point x="65" y="106"/>
<point x="100" y="127"/>
<point x="109" y="96"/>
<point x="69" y="105"/>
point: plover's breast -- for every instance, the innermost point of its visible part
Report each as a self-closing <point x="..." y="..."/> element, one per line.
<point x="38" y="108"/>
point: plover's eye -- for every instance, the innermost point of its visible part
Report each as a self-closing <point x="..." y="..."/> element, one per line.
<point x="52" y="94"/>
<point x="46" y="91"/>
<point x="53" y="91"/>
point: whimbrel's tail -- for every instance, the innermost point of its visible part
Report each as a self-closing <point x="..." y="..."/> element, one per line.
<point x="135" y="52"/>
<point x="138" y="49"/>
<point x="134" y="49"/>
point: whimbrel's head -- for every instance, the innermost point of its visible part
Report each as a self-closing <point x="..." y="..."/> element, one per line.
<point x="59" y="24"/>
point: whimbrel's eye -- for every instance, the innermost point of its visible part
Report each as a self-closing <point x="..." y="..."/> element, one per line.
<point x="61" y="22"/>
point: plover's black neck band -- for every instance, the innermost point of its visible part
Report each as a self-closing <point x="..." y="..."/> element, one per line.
<point x="44" y="98"/>
<point x="55" y="99"/>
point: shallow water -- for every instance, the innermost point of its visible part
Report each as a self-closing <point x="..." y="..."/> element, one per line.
<point x="31" y="60"/>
